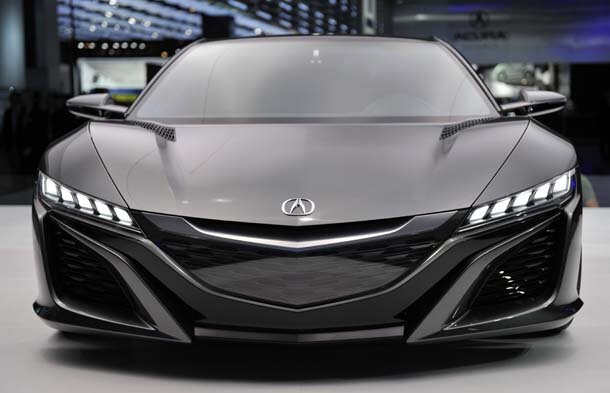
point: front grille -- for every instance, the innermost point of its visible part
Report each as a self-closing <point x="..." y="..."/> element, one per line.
<point x="299" y="278"/>
<point x="528" y="276"/>
<point x="79" y="275"/>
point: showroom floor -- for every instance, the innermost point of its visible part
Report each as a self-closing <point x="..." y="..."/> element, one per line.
<point x="34" y="358"/>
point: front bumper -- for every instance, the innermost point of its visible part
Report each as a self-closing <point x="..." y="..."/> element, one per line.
<point x="432" y="303"/>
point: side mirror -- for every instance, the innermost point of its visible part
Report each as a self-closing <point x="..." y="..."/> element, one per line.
<point x="536" y="103"/>
<point x="95" y="107"/>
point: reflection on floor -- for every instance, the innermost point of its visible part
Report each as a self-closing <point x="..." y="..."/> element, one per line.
<point x="34" y="358"/>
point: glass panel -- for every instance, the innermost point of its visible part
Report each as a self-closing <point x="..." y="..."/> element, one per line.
<point x="321" y="79"/>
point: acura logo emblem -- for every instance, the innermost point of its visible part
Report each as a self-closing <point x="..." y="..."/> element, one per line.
<point x="298" y="207"/>
<point x="479" y="19"/>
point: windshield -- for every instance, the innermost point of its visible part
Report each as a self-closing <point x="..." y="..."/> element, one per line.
<point x="314" y="79"/>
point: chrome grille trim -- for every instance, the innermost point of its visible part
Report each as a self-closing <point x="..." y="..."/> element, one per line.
<point x="296" y="245"/>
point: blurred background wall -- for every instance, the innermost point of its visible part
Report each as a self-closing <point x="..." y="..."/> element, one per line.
<point x="560" y="45"/>
<point x="53" y="49"/>
<point x="12" y="48"/>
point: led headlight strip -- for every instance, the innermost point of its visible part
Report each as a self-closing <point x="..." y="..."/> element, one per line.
<point x="58" y="194"/>
<point x="554" y="190"/>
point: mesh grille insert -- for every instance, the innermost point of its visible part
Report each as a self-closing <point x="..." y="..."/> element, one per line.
<point x="81" y="276"/>
<point x="300" y="278"/>
<point x="528" y="276"/>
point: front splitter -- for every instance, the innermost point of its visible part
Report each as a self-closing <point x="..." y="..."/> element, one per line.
<point x="384" y="333"/>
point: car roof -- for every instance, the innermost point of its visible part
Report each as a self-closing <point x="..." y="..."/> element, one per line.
<point x="337" y="37"/>
<point x="302" y="37"/>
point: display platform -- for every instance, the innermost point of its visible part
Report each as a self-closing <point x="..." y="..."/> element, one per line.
<point x="35" y="358"/>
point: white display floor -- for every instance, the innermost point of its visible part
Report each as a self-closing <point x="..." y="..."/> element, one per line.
<point x="34" y="358"/>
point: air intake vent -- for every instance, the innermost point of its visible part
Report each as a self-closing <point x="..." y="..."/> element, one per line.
<point x="528" y="276"/>
<point x="449" y="131"/>
<point x="298" y="279"/>
<point x="80" y="276"/>
<point x="165" y="132"/>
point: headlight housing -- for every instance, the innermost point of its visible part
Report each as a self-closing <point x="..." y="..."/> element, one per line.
<point x="58" y="195"/>
<point x="555" y="191"/>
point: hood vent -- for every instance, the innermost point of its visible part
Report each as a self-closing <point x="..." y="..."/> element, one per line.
<point x="165" y="132"/>
<point x="449" y="131"/>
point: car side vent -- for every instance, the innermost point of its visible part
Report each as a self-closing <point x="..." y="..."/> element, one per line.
<point x="165" y="132"/>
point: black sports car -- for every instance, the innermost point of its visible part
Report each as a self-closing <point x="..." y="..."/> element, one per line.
<point x="309" y="189"/>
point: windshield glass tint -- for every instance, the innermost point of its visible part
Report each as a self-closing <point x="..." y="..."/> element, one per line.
<point x="314" y="79"/>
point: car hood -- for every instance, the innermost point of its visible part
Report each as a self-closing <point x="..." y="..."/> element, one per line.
<point x="352" y="172"/>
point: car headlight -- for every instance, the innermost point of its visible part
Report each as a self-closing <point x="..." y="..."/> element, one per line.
<point x="555" y="191"/>
<point x="56" y="194"/>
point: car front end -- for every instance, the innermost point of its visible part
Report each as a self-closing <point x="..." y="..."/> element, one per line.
<point x="505" y="265"/>
<point x="314" y="227"/>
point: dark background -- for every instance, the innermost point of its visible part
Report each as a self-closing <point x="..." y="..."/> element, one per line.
<point x="51" y="50"/>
